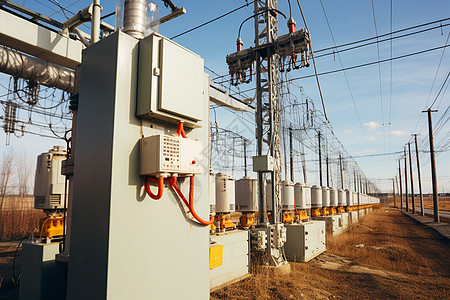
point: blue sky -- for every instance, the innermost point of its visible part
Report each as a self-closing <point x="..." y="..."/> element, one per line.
<point x="377" y="130"/>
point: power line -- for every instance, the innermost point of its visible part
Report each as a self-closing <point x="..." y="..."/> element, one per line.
<point x="364" y="64"/>
<point x="212" y="20"/>
<point x="372" y="42"/>
<point x="379" y="70"/>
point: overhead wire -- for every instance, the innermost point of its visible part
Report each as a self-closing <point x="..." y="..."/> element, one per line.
<point x="212" y="20"/>
<point x="314" y="61"/>
<point x="371" y="38"/>
<point x="379" y="73"/>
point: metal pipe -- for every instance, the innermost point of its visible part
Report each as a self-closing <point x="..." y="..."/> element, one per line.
<point x="342" y="174"/>
<point x="81" y="36"/>
<point x="134" y="18"/>
<point x="83" y="16"/>
<point x="95" y="23"/>
<point x="320" y="160"/>
<point x="35" y="69"/>
<point x="291" y="155"/>
<point x="245" y="158"/>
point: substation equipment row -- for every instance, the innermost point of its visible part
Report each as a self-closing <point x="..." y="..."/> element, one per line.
<point x="308" y="214"/>
<point x="135" y="211"/>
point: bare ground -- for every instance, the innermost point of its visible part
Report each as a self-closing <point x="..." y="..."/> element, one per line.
<point x="400" y="260"/>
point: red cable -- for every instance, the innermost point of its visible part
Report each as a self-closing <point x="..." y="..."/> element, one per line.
<point x="160" y="188"/>
<point x="180" y="130"/>
<point x="190" y="205"/>
<point x="173" y="183"/>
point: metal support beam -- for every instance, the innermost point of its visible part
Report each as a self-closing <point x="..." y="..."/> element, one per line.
<point x="38" y="41"/>
<point x="222" y="98"/>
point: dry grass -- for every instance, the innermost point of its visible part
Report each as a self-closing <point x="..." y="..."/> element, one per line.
<point x="18" y="217"/>
<point x="444" y="202"/>
<point x="399" y="260"/>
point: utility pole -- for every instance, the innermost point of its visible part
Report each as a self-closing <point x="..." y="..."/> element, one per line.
<point x="418" y="176"/>
<point x="304" y="167"/>
<point x="433" y="166"/>
<point x="342" y="174"/>
<point x="406" y="180"/>
<point x="412" y="180"/>
<point x="291" y="154"/>
<point x="400" y="181"/>
<point x="393" y="190"/>
<point x="245" y="157"/>
<point x="360" y="184"/>
<point x="328" y="172"/>
<point x="320" y="159"/>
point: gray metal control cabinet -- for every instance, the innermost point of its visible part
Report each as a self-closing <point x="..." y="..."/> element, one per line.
<point x="170" y="78"/>
<point x="305" y="241"/>
<point x="123" y="244"/>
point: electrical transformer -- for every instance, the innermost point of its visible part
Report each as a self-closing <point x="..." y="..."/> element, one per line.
<point x="247" y="194"/>
<point x="342" y="200"/>
<point x="225" y="193"/>
<point x="349" y="195"/>
<point x="316" y="196"/>
<point x="333" y="197"/>
<point x="49" y="184"/>
<point x="325" y="196"/>
<point x="287" y="195"/>
<point x="302" y="193"/>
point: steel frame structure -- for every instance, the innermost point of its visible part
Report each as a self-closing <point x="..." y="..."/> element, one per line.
<point x="267" y="103"/>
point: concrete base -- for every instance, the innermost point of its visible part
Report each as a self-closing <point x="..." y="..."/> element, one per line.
<point x="353" y="217"/>
<point x="362" y="213"/>
<point x="344" y="221"/>
<point x="235" y="260"/>
<point x="333" y="224"/>
<point x="305" y="241"/>
<point x="280" y="270"/>
<point x="41" y="276"/>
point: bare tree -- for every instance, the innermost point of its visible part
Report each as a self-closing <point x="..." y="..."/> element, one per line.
<point x="6" y="168"/>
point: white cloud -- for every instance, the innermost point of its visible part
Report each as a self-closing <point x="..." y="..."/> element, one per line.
<point x="371" y="138"/>
<point x="348" y="131"/>
<point x="372" y="125"/>
<point x="399" y="132"/>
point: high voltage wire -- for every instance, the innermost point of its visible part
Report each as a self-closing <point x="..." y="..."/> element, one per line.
<point x="363" y="65"/>
<point x="212" y="20"/>
<point x="379" y="72"/>
<point x="374" y="38"/>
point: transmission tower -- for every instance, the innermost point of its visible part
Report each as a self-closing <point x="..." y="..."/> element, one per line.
<point x="270" y="55"/>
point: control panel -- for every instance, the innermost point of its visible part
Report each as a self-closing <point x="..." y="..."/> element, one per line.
<point x="170" y="154"/>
